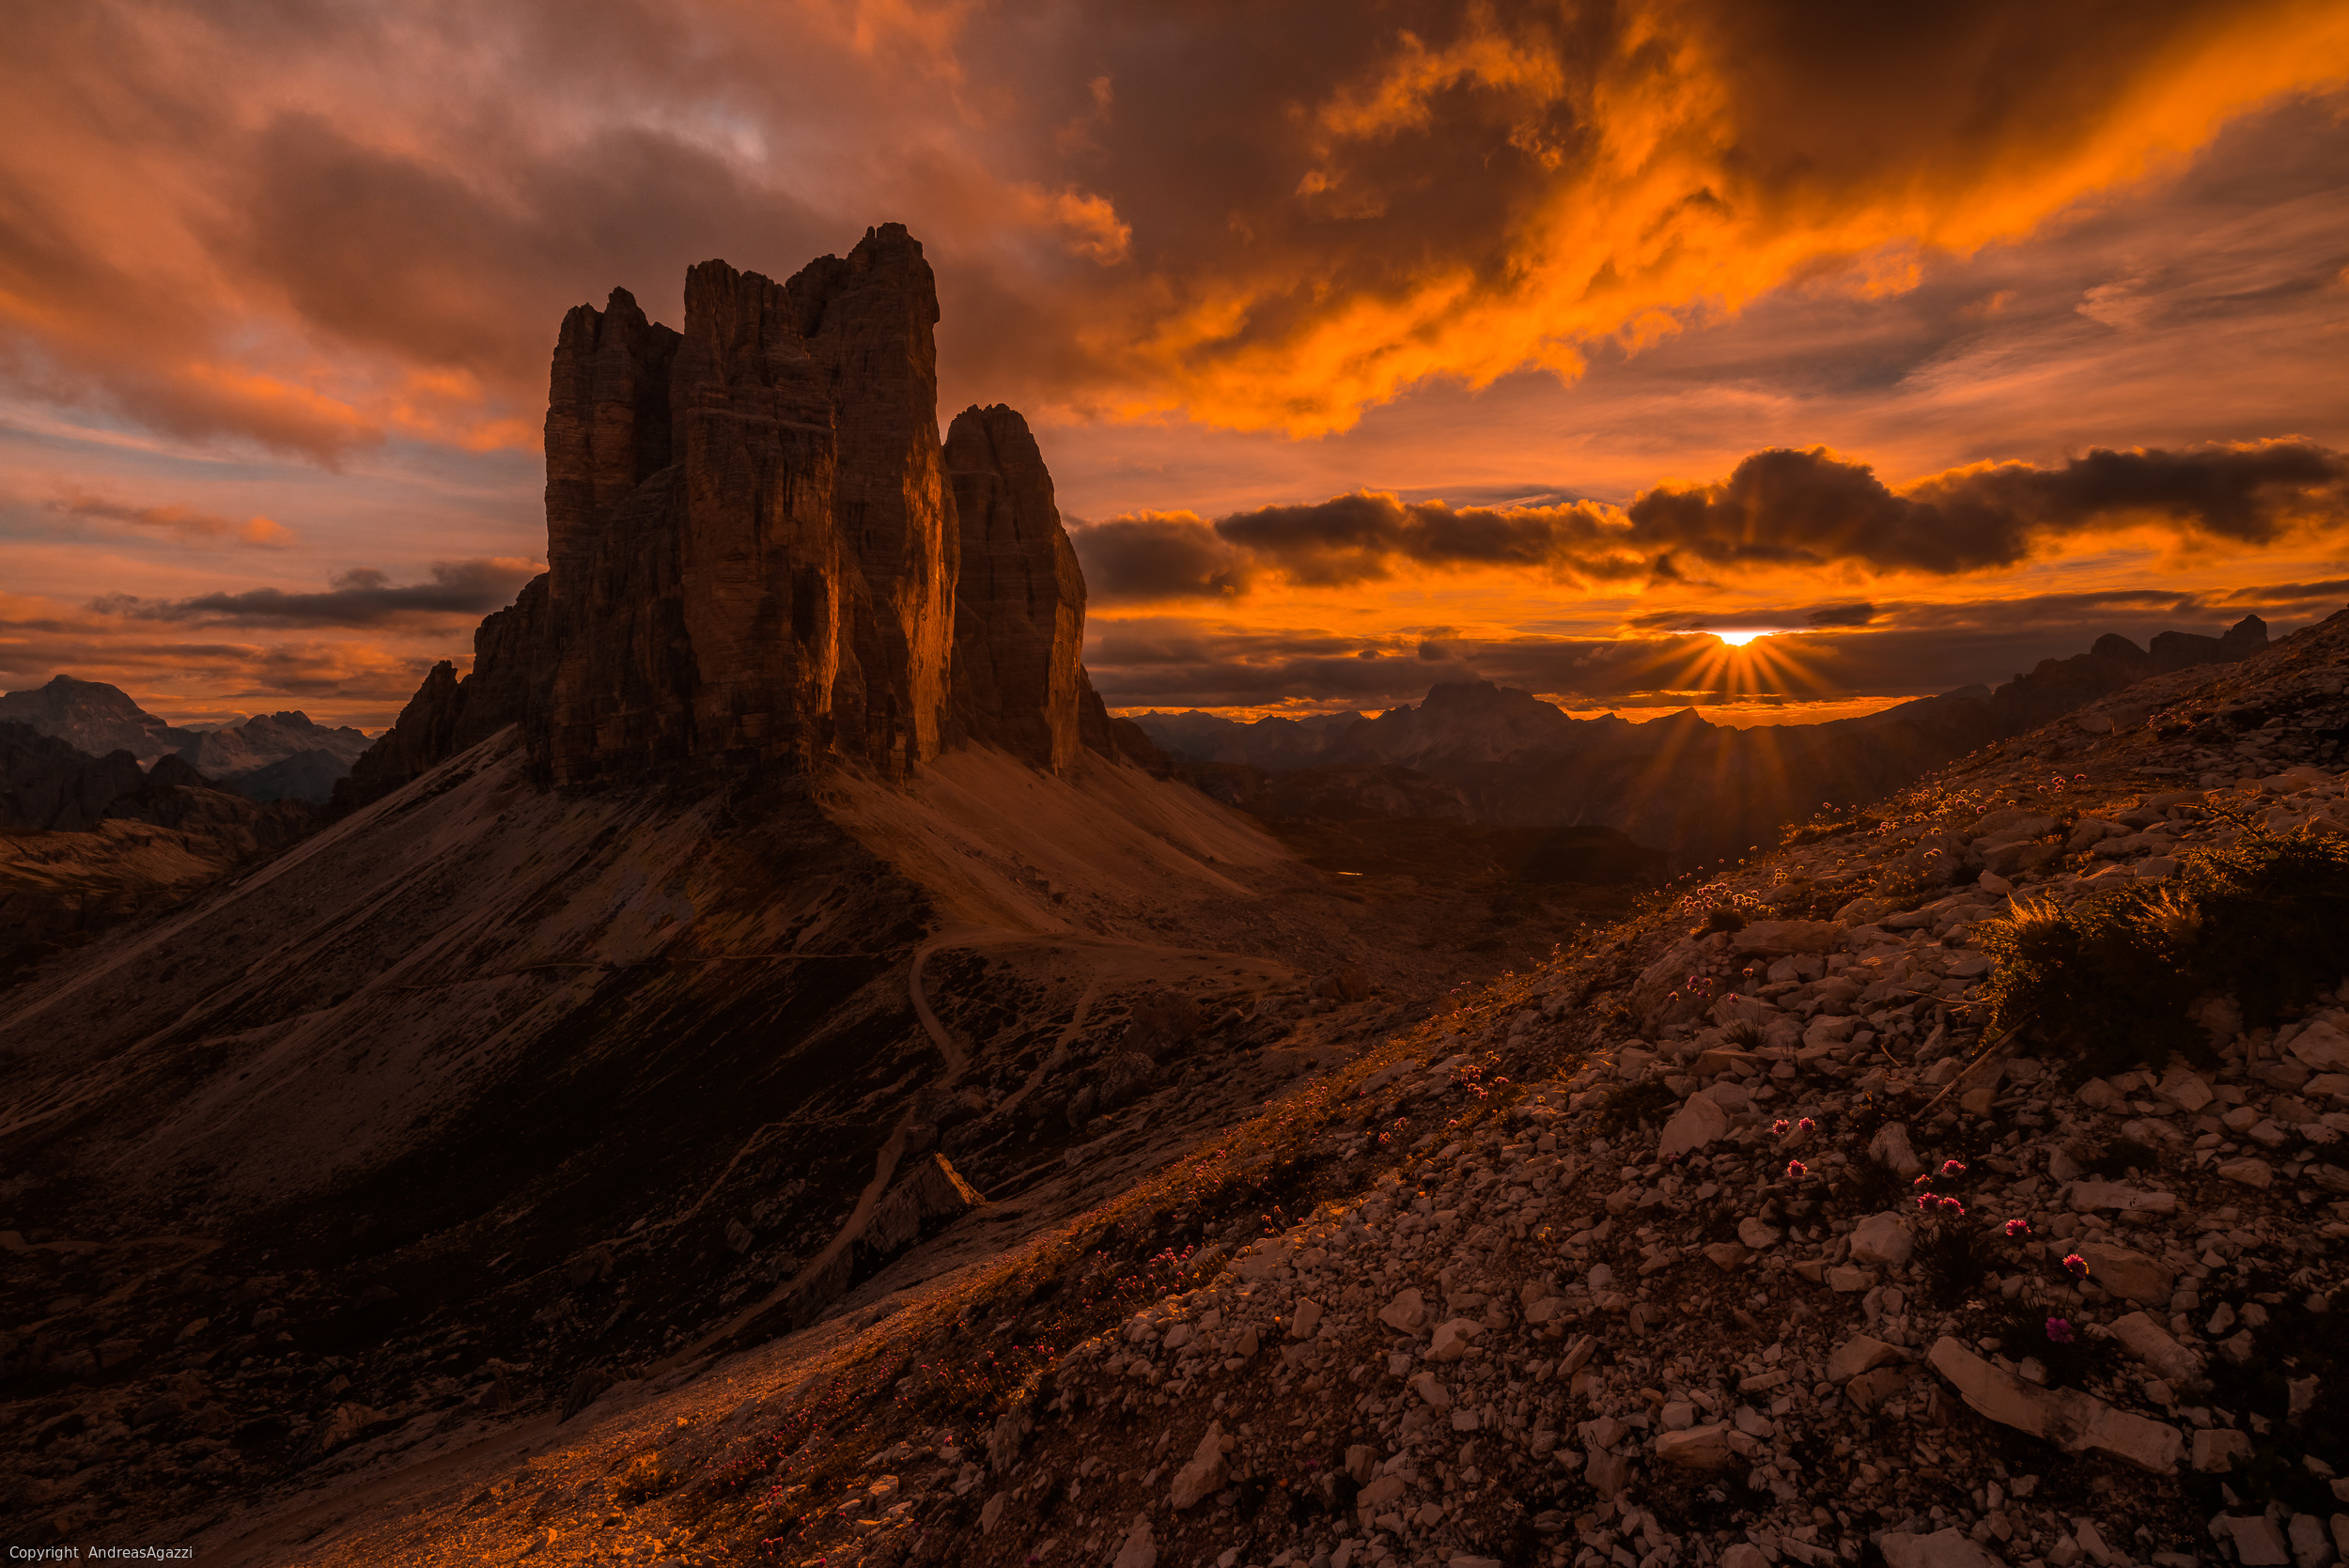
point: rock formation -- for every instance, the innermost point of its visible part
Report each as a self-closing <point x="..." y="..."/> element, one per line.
<point x="93" y="717"/>
<point x="748" y="541"/>
<point x="1020" y="609"/>
<point x="757" y="558"/>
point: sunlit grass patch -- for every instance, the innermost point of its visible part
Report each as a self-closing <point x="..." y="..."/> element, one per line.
<point x="2113" y="976"/>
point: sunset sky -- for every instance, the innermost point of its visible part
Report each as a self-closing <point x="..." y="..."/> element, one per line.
<point x="1370" y="344"/>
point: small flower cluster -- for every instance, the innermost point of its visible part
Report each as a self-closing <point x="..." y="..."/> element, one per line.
<point x="1929" y="1202"/>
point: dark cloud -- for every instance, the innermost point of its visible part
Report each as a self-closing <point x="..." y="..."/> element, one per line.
<point x="1779" y="509"/>
<point x="361" y="596"/>
<point x="1784" y="507"/>
<point x="1155" y="555"/>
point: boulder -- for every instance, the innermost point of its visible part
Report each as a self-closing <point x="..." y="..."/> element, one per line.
<point x="1699" y="1448"/>
<point x="1205" y="1473"/>
<point x="2126" y="1273"/>
<point x="1139" y="1549"/>
<point x="2089" y="1196"/>
<point x="2073" y="1422"/>
<point x="1858" y="1354"/>
<point x="1882" y="1239"/>
<point x="2218" y="1450"/>
<point x="1945" y="1548"/>
<point x="1693" y="1127"/>
<point x="2322" y="1048"/>
<point x="2151" y="1344"/>
<point x="1890" y="1149"/>
<point x="1451" y="1339"/>
<point x="2258" y="1542"/>
<point x="1405" y="1313"/>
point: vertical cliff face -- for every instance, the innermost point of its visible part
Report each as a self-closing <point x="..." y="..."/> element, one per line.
<point x="870" y="321"/>
<point x="1019" y="607"/>
<point x="759" y="554"/>
<point x="750" y="550"/>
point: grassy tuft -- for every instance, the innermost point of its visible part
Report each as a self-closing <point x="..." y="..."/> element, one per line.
<point x="2113" y="976"/>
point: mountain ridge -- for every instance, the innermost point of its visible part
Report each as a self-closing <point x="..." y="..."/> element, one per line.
<point x="1676" y="782"/>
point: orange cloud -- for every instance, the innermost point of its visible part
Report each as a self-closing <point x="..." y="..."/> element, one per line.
<point x="186" y="522"/>
<point x="1672" y="171"/>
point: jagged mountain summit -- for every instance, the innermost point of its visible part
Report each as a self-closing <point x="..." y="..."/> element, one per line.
<point x="759" y="549"/>
<point x="269" y="756"/>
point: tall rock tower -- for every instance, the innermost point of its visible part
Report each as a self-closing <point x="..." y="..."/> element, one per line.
<point x="760" y="556"/>
<point x="750" y="550"/>
<point x="1020" y="609"/>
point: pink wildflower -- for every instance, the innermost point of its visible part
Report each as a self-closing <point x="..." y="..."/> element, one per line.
<point x="1778" y="1128"/>
<point x="1954" y="1203"/>
<point x="2018" y="1228"/>
<point x="2059" y="1331"/>
<point x="1952" y="1168"/>
<point x="2076" y="1265"/>
<point x="1807" y="1125"/>
<point x="1797" y="1168"/>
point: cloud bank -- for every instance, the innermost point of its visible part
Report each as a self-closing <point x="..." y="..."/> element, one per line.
<point x="322" y="227"/>
<point x="1779" y="509"/>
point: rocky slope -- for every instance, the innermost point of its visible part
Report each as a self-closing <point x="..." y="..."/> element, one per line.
<point x="703" y="954"/>
<point x="88" y="842"/>
<point x="1787" y="1221"/>
<point x="1680" y="783"/>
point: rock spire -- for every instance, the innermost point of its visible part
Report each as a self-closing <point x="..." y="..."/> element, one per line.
<point x="759" y="554"/>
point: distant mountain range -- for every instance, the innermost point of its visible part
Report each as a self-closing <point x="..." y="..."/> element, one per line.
<point x="272" y="756"/>
<point x="1473" y="752"/>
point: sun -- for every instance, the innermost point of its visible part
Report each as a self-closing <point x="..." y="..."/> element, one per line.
<point x="1739" y="639"/>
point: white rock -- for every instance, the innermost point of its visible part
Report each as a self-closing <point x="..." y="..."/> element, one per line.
<point x="1405" y="1313"/>
<point x="1141" y="1548"/>
<point x="1858" y="1354"/>
<point x="992" y="1512"/>
<point x="1304" y="1320"/>
<point x="1757" y="1234"/>
<point x="1882" y="1238"/>
<point x="1451" y="1339"/>
<point x="1889" y="1148"/>
<point x="1430" y="1391"/>
<point x="1695" y="1125"/>
<point x="2126" y="1273"/>
<point x="1745" y="1554"/>
<point x="2310" y="1547"/>
<point x="2072" y="1420"/>
<point x="1380" y="1493"/>
<point x="1945" y="1548"/>
<point x="2216" y="1449"/>
<point x="1205" y="1473"/>
<point x="2249" y="1171"/>
<point x="2088" y="1197"/>
<point x="1701" y="1448"/>
<point x="2258" y="1543"/>
<point x="2151" y="1344"/>
<point x="2322" y="1048"/>
<point x="2186" y="1088"/>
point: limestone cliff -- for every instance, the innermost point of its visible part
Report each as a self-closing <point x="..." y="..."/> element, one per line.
<point x="1020" y="609"/>
<point x="755" y="554"/>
